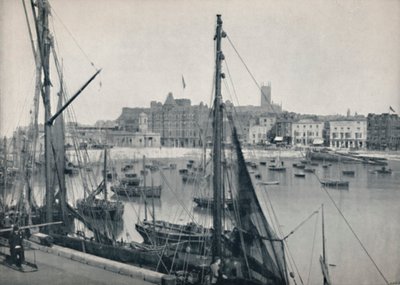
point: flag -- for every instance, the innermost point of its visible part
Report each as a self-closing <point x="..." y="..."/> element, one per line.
<point x="183" y="82"/>
<point x="391" y="109"/>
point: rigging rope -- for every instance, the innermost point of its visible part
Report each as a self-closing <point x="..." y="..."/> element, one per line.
<point x="330" y="197"/>
<point x="73" y="38"/>
<point x="312" y="250"/>
<point x="355" y="234"/>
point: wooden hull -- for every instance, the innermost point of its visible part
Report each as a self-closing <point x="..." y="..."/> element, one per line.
<point x="137" y="191"/>
<point x="335" y="184"/>
<point x="99" y="210"/>
<point x="208" y="203"/>
<point x="122" y="253"/>
<point x="161" y="233"/>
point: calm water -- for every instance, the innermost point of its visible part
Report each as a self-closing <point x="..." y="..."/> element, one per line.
<point x="371" y="205"/>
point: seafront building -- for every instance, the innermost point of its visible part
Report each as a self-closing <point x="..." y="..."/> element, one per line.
<point x="348" y="133"/>
<point x="181" y="124"/>
<point x="307" y="132"/>
<point x="143" y="137"/>
<point x="383" y="131"/>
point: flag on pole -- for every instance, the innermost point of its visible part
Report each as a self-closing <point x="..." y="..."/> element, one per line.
<point x="391" y="109"/>
<point x="183" y="82"/>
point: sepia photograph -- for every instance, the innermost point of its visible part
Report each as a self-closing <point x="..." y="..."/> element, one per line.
<point x="178" y="142"/>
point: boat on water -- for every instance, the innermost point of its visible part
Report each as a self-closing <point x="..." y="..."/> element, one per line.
<point x="160" y="232"/>
<point x="383" y="170"/>
<point x="300" y="175"/>
<point x="272" y="182"/>
<point x="299" y="166"/>
<point x="101" y="208"/>
<point x="92" y="209"/>
<point x="131" y="186"/>
<point x="339" y="184"/>
<point x="276" y="168"/>
<point x="208" y="202"/>
<point x="348" y="172"/>
<point x="309" y="170"/>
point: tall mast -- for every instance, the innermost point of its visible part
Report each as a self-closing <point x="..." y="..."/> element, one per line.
<point x="44" y="42"/>
<point x="217" y="144"/>
<point x="5" y="171"/>
<point x="322" y="260"/>
<point x="144" y="187"/>
<point x="105" y="173"/>
<point x="323" y="234"/>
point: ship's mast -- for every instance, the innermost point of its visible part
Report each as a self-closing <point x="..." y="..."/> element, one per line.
<point x="323" y="261"/>
<point x="105" y="173"/>
<point x="217" y="145"/>
<point x="44" y="44"/>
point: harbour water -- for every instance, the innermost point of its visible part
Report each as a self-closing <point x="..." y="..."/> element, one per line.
<point x="370" y="205"/>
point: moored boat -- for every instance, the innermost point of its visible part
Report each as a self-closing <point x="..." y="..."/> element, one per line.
<point x="335" y="184"/>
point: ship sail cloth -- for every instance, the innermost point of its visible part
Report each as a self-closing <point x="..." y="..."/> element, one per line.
<point x="253" y="242"/>
<point x="262" y="249"/>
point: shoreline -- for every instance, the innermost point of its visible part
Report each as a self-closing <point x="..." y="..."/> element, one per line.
<point x="125" y="153"/>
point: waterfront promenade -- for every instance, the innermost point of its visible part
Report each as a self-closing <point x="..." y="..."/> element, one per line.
<point x="58" y="270"/>
<point x="124" y="153"/>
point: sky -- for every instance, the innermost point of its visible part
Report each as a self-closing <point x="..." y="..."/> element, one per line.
<point x="320" y="56"/>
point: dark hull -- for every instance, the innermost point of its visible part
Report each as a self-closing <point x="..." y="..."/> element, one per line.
<point x="112" y="211"/>
<point x="137" y="191"/>
<point x="198" y="239"/>
<point x="335" y="184"/>
<point x="272" y="168"/>
<point x="208" y="203"/>
<point x="140" y="257"/>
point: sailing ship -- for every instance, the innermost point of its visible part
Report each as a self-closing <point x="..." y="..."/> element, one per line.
<point x="251" y="245"/>
<point x="101" y="208"/>
<point x="55" y="207"/>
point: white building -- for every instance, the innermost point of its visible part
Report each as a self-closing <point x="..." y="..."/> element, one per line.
<point x="142" y="138"/>
<point x="258" y="134"/>
<point x="307" y="132"/>
<point x="348" y="134"/>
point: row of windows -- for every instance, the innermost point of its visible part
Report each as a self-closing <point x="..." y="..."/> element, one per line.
<point x="304" y="126"/>
<point x="346" y="135"/>
<point x="308" y="134"/>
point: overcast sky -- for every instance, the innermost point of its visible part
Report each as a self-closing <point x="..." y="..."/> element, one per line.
<point x="321" y="57"/>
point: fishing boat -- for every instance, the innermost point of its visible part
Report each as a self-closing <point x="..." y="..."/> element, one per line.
<point x="251" y="246"/>
<point x="384" y="170"/>
<point x="101" y="208"/>
<point x="276" y="168"/>
<point x="299" y="166"/>
<point x="340" y="184"/>
<point x="348" y="172"/>
<point x="55" y="206"/>
<point x="130" y="186"/>
<point x="165" y="233"/>
<point x="208" y="202"/>
<point x="256" y="251"/>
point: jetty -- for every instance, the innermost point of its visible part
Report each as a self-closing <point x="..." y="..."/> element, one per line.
<point x="69" y="266"/>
